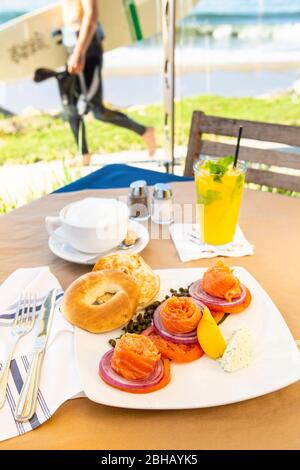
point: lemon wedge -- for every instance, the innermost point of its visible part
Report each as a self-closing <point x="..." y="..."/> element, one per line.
<point x="209" y="336"/>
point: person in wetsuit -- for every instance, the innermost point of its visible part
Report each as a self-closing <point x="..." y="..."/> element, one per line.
<point x="82" y="36"/>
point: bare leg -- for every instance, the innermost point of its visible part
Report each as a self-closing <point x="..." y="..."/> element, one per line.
<point x="120" y="119"/>
<point x="86" y="159"/>
<point x="150" y="141"/>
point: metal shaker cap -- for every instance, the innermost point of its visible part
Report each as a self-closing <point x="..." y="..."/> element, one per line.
<point x="138" y="188"/>
<point x="162" y="191"/>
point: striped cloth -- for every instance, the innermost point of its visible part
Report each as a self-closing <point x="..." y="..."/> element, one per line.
<point x="59" y="378"/>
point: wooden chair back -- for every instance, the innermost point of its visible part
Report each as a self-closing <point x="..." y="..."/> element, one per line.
<point x="252" y="130"/>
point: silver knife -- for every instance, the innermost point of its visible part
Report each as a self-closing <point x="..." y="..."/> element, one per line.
<point x="26" y="404"/>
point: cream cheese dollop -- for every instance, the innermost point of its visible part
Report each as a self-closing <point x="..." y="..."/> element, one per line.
<point x="239" y="351"/>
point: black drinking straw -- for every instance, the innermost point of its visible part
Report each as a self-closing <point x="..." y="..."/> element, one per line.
<point x="236" y="155"/>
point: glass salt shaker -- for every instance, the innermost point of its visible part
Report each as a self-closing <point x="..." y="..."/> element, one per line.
<point x="162" y="204"/>
<point x="138" y="200"/>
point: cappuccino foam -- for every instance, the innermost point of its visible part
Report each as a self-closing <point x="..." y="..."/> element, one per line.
<point x="93" y="211"/>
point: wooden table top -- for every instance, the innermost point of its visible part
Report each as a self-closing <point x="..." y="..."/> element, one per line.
<point x="272" y="223"/>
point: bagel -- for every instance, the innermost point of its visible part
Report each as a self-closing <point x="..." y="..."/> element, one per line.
<point x="138" y="269"/>
<point x="101" y="301"/>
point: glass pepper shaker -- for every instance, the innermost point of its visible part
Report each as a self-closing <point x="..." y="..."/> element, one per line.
<point x="162" y="204"/>
<point x="138" y="200"/>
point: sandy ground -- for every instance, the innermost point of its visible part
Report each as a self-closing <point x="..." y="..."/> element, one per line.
<point x="148" y="89"/>
<point x="21" y="183"/>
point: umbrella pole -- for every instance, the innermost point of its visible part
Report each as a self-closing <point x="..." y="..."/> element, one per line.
<point x="169" y="39"/>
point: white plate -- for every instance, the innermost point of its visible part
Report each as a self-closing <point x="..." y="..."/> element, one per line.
<point x="203" y="383"/>
<point x="68" y="253"/>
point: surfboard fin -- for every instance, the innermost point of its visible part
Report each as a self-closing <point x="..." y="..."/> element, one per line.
<point x="42" y="74"/>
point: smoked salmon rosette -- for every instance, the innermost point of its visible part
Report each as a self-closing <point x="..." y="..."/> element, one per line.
<point x="221" y="291"/>
<point x="180" y="315"/>
<point x="135" y="365"/>
<point x="177" y="352"/>
<point x="174" y="329"/>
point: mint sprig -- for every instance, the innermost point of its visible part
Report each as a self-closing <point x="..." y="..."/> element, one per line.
<point x="210" y="196"/>
<point x="219" y="168"/>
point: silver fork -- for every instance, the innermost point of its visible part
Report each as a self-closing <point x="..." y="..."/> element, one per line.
<point x="22" y="325"/>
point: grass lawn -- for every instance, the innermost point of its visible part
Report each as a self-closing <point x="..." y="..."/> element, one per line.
<point x="31" y="139"/>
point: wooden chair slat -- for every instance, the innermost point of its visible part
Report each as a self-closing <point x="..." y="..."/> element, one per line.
<point x="274" y="180"/>
<point x="254" y="155"/>
<point x="266" y="132"/>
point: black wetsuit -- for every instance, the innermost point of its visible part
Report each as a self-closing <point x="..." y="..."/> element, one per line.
<point x="88" y="88"/>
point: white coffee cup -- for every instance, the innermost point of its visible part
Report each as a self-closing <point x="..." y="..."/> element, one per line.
<point x="91" y="225"/>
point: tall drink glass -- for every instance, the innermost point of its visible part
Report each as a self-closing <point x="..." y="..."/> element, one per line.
<point x="219" y="188"/>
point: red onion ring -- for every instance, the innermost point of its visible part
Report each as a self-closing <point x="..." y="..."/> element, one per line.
<point x="184" y="338"/>
<point x="196" y="291"/>
<point x="116" y="380"/>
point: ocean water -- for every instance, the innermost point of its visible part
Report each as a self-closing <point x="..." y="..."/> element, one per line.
<point x="217" y="25"/>
<point x="215" y="45"/>
<point x="271" y="27"/>
<point x="218" y="20"/>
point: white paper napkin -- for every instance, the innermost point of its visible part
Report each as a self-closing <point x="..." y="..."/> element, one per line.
<point x="189" y="246"/>
<point x="59" y="378"/>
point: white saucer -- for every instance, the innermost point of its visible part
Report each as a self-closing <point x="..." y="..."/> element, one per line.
<point x="68" y="253"/>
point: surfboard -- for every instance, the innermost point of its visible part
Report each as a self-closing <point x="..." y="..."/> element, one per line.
<point x="27" y="42"/>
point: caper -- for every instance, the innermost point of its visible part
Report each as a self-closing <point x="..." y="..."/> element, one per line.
<point x="144" y="319"/>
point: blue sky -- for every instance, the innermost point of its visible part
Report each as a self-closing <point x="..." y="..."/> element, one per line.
<point x="221" y="6"/>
